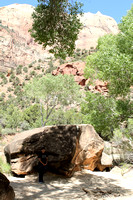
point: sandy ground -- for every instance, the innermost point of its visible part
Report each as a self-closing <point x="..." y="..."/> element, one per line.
<point x="85" y="185"/>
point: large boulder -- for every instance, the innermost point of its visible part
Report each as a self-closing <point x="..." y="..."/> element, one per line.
<point x="6" y="191"/>
<point x="70" y="148"/>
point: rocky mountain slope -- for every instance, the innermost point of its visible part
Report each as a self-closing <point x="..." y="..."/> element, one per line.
<point x="18" y="48"/>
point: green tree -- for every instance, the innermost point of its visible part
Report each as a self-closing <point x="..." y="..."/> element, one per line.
<point x="125" y="37"/>
<point x="13" y="116"/>
<point x="112" y="63"/>
<point x="53" y="92"/>
<point x="31" y="115"/>
<point x="101" y="112"/>
<point x="56" y="24"/>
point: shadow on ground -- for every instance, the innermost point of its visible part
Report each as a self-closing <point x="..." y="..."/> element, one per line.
<point x="82" y="186"/>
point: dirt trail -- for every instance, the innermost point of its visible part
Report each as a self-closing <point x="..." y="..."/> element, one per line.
<point x="85" y="185"/>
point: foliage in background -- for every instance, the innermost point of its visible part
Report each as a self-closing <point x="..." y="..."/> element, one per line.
<point x="13" y="117"/>
<point x="109" y="64"/>
<point x="69" y="116"/>
<point x="101" y="112"/>
<point x="125" y="37"/>
<point x="112" y="63"/>
<point x="53" y="92"/>
<point x="31" y="116"/>
<point x="56" y="24"/>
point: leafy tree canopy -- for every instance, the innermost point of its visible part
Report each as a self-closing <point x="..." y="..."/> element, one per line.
<point x="101" y="112"/>
<point x="125" y="37"/>
<point x="56" y="24"/>
<point x="113" y="62"/>
<point x="53" y="92"/>
<point x="109" y="64"/>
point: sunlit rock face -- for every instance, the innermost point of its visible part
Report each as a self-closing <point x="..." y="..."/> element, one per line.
<point x="16" y="45"/>
<point x="95" y="26"/>
<point x="18" y="48"/>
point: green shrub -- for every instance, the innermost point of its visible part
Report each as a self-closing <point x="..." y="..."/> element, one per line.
<point x="1" y="98"/>
<point x="2" y="75"/>
<point x="25" y="125"/>
<point x="51" y="67"/>
<point x="19" y="69"/>
<point x="128" y="129"/>
<point x="10" y="96"/>
<point x="4" y="167"/>
<point x="13" y="116"/>
<point x="78" y="52"/>
<point x="61" y="61"/>
<point x="25" y="69"/>
<point x="40" y="75"/>
<point x="5" y="81"/>
<point x="31" y="114"/>
<point x="0" y="129"/>
<point x="3" y="94"/>
<point x="9" y="89"/>
<point x="23" y="84"/>
<point x="84" y="53"/>
<point x="17" y="90"/>
<point x="8" y="131"/>
<point x="38" y="67"/>
<point x="12" y="77"/>
<point x="1" y="84"/>
<point x="16" y="81"/>
<point x="20" y="66"/>
<point x="66" y="117"/>
<point x="12" y="71"/>
<point x="50" y="63"/>
<point x="30" y="65"/>
<point x="27" y="77"/>
<point x="32" y="73"/>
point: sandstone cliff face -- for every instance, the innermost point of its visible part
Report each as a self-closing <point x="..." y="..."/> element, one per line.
<point x="95" y="26"/>
<point x="17" y="47"/>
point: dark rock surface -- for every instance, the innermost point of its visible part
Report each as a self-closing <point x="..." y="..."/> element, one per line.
<point x="6" y="191"/>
